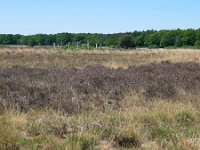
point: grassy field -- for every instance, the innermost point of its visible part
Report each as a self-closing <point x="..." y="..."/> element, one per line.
<point x="44" y="57"/>
<point x="104" y="100"/>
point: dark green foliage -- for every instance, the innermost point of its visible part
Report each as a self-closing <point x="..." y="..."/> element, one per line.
<point x="168" y="39"/>
<point x="63" y="38"/>
<point x="139" y="41"/>
<point x="178" y="41"/>
<point x="149" y="38"/>
<point x="188" y="37"/>
<point x="31" y="42"/>
<point x="153" y="39"/>
<point x="126" y="42"/>
<point x="197" y="43"/>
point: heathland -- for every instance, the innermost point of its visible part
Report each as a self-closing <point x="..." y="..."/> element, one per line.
<point x="137" y="99"/>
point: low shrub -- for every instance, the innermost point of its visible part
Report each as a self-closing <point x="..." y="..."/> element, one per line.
<point x="127" y="140"/>
<point x="68" y="90"/>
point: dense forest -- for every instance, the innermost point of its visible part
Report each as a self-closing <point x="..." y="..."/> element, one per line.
<point x="149" y="38"/>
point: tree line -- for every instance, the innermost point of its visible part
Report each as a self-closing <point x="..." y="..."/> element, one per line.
<point x="149" y="38"/>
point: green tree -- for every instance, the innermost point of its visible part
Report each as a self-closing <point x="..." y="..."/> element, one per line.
<point x="168" y="38"/>
<point x="31" y="41"/>
<point x="149" y="38"/>
<point x="189" y="37"/>
<point x="112" y="40"/>
<point x="139" y="41"/>
<point x="8" y="39"/>
<point x="198" y="34"/>
<point x="178" y="42"/>
<point x="39" y="39"/>
<point x="126" y="42"/>
<point x="63" y="38"/>
<point x="153" y="40"/>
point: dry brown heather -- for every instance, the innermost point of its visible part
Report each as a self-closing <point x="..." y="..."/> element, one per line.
<point x="80" y="59"/>
<point x="106" y="100"/>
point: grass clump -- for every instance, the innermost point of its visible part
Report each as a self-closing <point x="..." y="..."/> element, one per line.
<point x="82" y="142"/>
<point x="9" y="139"/>
<point x="185" y="118"/>
<point x="33" y="129"/>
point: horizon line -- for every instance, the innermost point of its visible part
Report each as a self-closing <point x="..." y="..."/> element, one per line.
<point x="120" y="32"/>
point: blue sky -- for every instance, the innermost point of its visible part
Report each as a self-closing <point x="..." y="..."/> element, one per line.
<point x="96" y="16"/>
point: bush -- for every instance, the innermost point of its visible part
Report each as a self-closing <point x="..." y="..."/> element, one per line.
<point x="197" y="43"/>
<point x="127" y="140"/>
<point x="126" y="42"/>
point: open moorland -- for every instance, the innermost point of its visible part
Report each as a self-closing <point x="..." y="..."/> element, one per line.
<point x="105" y="100"/>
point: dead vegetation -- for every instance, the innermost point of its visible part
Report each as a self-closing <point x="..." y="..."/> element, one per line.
<point x="70" y="89"/>
<point x="81" y="59"/>
<point x="99" y="100"/>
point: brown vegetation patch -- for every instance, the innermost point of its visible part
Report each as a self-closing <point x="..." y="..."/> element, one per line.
<point x="69" y="89"/>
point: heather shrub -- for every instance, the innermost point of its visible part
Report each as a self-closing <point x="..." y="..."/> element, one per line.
<point x="68" y="90"/>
